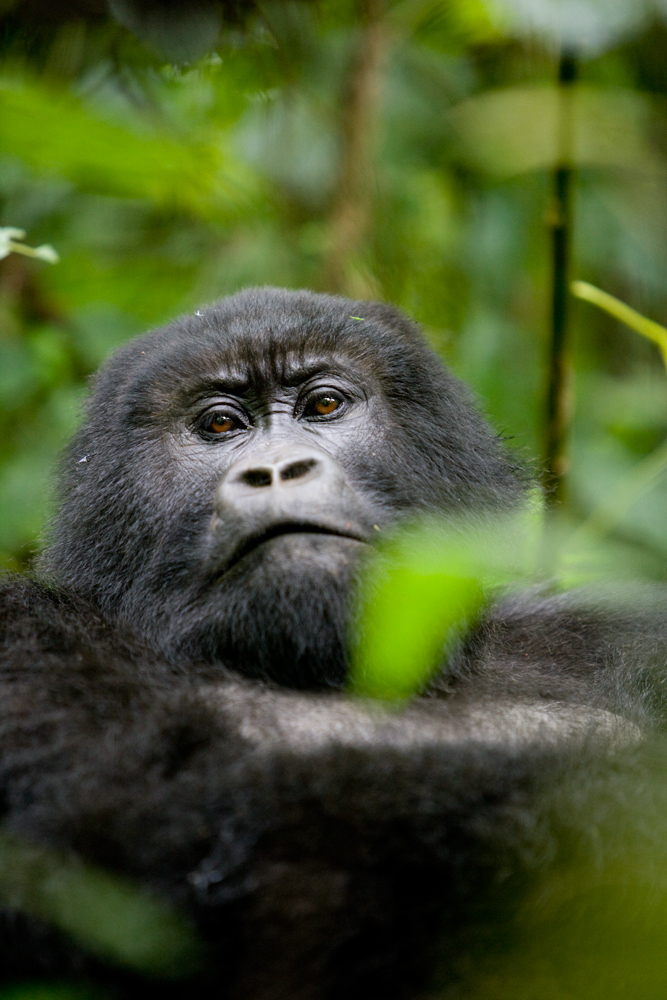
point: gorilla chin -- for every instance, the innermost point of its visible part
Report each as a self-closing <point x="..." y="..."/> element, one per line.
<point x="251" y="618"/>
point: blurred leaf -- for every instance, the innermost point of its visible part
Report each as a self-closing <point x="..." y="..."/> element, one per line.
<point x="448" y="21"/>
<point x="181" y="32"/>
<point x="55" y="133"/>
<point x="518" y="129"/>
<point x="593" y="927"/>
<point x="426" y="586"/>
<point x="26" y="471"/>
<point x="101" y="329"/>
<point x="580" y="26"/>
<point x="18" y="373"/>
<point x="100" y="911"/>
<point x="624" y="496"/>
<point x="50" y="351"/>
<point x="291" y="142"/>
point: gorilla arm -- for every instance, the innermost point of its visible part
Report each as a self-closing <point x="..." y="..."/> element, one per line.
<point x="321" y="844"/>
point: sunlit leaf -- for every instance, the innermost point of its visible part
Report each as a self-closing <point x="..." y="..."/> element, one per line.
<point x="449" y="21"/>
<point x="518" y="129"/>
<point x="428" y="585"/>
<point x="425" y="588"/>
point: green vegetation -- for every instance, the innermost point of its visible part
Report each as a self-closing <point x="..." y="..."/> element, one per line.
<point x="428" y="584"/>
<point x="402" y="150"/>
<point x="101" y="912"/>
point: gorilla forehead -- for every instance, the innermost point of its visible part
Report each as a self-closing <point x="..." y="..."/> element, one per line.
<point x="261" y="336"/>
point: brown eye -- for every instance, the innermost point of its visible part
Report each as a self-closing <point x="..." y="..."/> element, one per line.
<point x="219" y="422"/>
<point x="220" y="425"/>
<point x="325" y="405"/>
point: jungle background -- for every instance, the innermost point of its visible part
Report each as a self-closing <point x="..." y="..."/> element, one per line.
<point x="422" y="152"/>
<point x="395" y="149"/>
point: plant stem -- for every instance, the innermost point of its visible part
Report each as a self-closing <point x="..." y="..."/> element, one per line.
<point x="643" y="476"/>
<point x="626" y="314"/>
<point x="558" y="410"/>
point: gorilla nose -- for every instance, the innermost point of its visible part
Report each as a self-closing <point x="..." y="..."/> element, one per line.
<point x="261" y="476"/>
<point x="286" y="483"/>
<point x="293" y="489"/>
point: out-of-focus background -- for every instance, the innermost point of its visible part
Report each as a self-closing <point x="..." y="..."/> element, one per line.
<point x="393" y="149"/>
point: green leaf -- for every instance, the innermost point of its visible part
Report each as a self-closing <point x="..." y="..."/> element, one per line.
<point x="102" y="912"/>
<point x="424" y="589"/>
<point x="55" y="133"/>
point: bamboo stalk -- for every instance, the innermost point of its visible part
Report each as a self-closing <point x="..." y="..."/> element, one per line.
<point x="558" y="396"/>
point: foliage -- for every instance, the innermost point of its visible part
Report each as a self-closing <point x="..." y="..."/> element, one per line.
<point x="101" y="912"/>
<point x="424" y="589"/>
<point x="646" y="327"/>
<point x="163" y="186"/>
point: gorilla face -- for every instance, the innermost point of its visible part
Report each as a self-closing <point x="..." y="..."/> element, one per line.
<point x="235" y="465"/>
<point x="292" y="509"/>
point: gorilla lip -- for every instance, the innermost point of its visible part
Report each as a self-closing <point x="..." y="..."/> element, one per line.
<point x="290" y="528"/>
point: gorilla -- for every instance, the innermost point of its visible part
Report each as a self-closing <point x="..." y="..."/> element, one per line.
<point x="173" y="680"/>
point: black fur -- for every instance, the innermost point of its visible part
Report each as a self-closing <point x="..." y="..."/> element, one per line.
<point x="169" y="703"/>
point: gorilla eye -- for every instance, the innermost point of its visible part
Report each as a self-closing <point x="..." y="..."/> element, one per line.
<point x="220" y="425"/>
<point x="219" y="422"/>
<point x="322" y="406"/>
<point x="327" y="404"/>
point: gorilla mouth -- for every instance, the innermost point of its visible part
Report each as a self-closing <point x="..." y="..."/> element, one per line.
<point x="290" y="528"/>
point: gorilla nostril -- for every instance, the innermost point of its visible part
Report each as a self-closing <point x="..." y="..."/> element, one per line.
<point x="296" y="470"/>
<point x="256" y="477"/>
